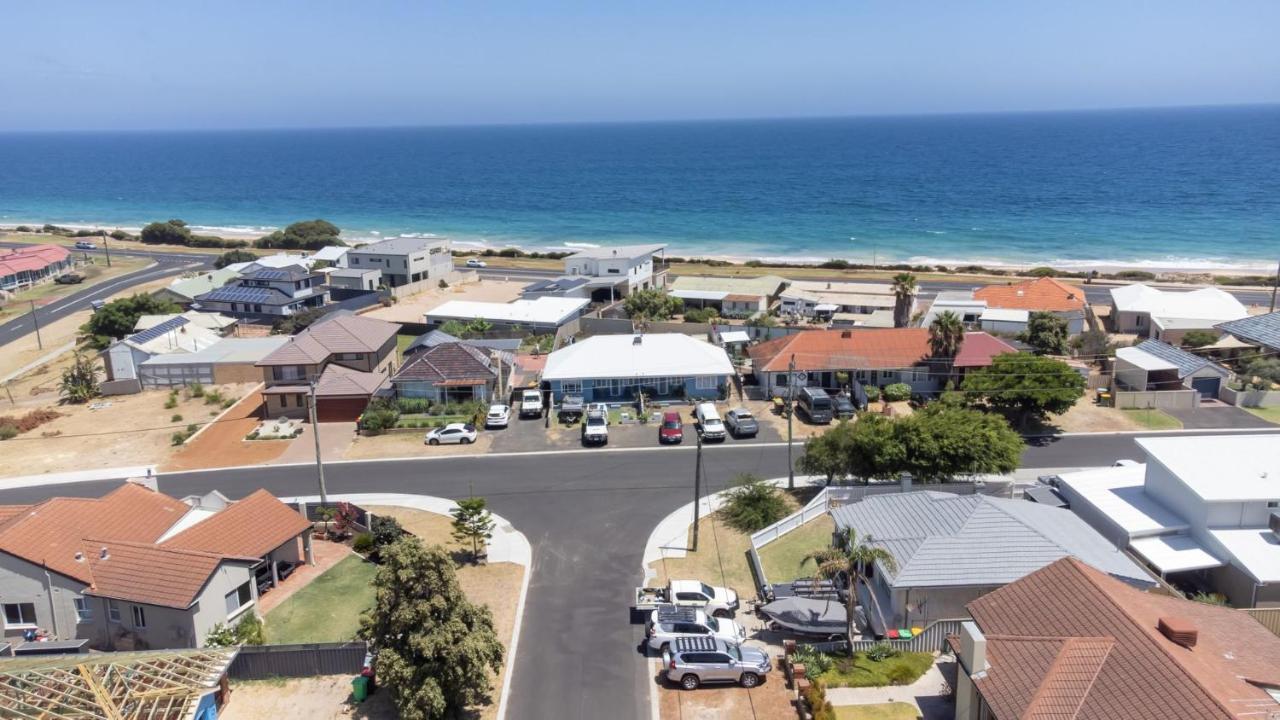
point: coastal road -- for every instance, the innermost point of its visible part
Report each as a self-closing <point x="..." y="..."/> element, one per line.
<point x="165" y="266"/>
<point x="587" y="515"/>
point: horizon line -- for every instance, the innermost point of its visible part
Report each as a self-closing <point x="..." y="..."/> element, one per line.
<point x="652" y="121"/>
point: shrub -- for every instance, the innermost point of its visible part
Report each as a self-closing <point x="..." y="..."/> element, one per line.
<point x="753" y="504"/>
<point x="363" y="543"/>
<point x="1043" y="271"/>
<point x="897" y="392"/>
<point x="702" y="315"/>
<point x="385" y="530"/>
<point x="873" y="392"/>
<point x="196" y="390"/>
<point x="172" y="402"/>
<point x="816" y="698"/>
<point x="1141" y="275"/>
<point x="900" y="675"/>
<point x="178" y="438"/>
<point x="815" y="663"/>
<point x="380" y="416"/>
<point x="120" y="235"/>
<point x="413" y="406"/>
<point x="213" y="397"/>
<point x="175" y="418"/>
<point x="880" y="652"/>
<point x="8" y="432"/>
<point x="1199" y="338"/>
<point x="30" y="421"/>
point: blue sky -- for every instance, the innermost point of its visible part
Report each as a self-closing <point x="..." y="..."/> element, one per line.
<point x="287" y="63"/>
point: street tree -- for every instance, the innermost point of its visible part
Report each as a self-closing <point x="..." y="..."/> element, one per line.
<point x="472" y="522"/>
<point x="435" y="648"/>
<point x="651" y="304"/>
<point x="942" y="442"/>
<point x="852" y="557"/>
<point x="904" y="294"/>
<point x="1047" y="334"/>
<point x="1025" y="386"/>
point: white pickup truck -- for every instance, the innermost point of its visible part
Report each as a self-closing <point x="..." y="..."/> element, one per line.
<point x="716" y="601"/>
<point x="530" y="403"/>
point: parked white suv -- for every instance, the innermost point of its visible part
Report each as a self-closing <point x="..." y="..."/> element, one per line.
<point x="669" y="622"/>
<point x="710" y="425"/>
<point x="531" y="403"/>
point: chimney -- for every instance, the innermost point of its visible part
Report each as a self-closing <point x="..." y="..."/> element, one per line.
<point x="973" y="648"/>
<point x="1179" y="631"/>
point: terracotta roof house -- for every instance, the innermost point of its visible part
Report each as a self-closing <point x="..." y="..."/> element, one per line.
<point x="451" y="371"/>
<point x="24" y="266"/>
<point x="1040" y="295"/>
<point x="349" y="357"/>
<point x="1068" y="642"/>
<point x="137" y="569"/>
<point x="871" y="356"/>
<point x="978" y="349"/>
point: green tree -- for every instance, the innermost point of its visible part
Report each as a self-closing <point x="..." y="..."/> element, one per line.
<point x="873" y="448"/>
<point x="297" y="322"/>
<point x="904" y="293"/>
<point x="944" y="441"/>
<point x="828" y="454"/>
<point x="852" y="558"/>
<point x="1093" y="344"/>
<point x="117" y="318"/>
<point x="652" y="304"/>
<point x="170" y="232"/>
<point x="1261" y="372"/>
<point x="80" y="381"/>
<point x="1047" y="334"/>
<point x="477" y="327"/>
<point x="1027" y="386"/>
<point x="764" y="320"/>
<point x="752" y="504"/>
<point x="701" y="315"/>
<point x="436" y="649"/>
<point x="472" y="522"/>
<point x="305" y="235"/>
<point x="1199" y="338"/>
<point x="946" y="335"/>
<point x="231" y="257"/>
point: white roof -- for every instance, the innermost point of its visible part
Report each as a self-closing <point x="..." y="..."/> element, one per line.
<point x="1005" y="315"/>
<point x="330" y="253"/>
<point x="1175" y="553"/>
<point x="1254" y="549"/>
<point x="826" y="307"/>
<point x="186" y="339"/>
<point x="623" y="356"/>
<point x="541" y="311"/>
<point x="735" y="336"/>
<point x="1206" y="303"/>
<point x="1119" y="494"/>
<point x="226" y="350"/>
<point x="957" y="298"/>
<point x="279" y="260"/>
<point x="700" y="294"/>
<point x="208" y="320"/>
<point x="1221" y="468"/>
<point x="619" y="251"/>
<point x="1143" y="359"/>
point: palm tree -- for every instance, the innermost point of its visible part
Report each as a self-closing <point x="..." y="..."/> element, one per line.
<point x="904" y="291"/>
<point x="854" y="559"/>
<point x="946" y="335"/>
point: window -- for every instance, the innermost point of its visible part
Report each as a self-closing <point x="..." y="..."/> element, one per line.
<point x="84" y="611"/>
<point x="349" y="356"/>
<point x="689" y="597"/>
<point x="113" y="611"/>
<point x="19" y="614"/>
<point x="572" y="387"/>
<point x="613" y="271"/>
<point x="139" y="617"/>
<point x="257" y="308"/>
<point x="705" y="382"/>
<point x="238" y="598"/>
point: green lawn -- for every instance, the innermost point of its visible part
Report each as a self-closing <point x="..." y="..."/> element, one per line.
<point x="1270" y="414"/>
<point x="878" y="711"/>
<point x="327" y="610"/>
<point x="858" y="671"/>
<point x="781" y="558"/>
<point x="402" y="342"/>
<point x="1154" y="419"/>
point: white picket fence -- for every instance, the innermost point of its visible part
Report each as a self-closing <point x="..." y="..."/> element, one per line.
<point x="816" y="507"/>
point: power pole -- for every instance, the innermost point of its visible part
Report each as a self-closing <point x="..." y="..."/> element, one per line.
<point x="697" y="491"/>
<point x="36" y="319"/>
<point x="1274" y="287"/>
<point x="106" y="247"/>
<point x="315" y="432"/>
<point x="791" y="411"/>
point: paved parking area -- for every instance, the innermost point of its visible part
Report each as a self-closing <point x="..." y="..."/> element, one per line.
<point x="534" y="435"/>
<point x="1217" y="417"/>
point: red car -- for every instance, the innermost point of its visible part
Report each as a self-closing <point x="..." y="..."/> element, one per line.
<point x="672" y="429"/>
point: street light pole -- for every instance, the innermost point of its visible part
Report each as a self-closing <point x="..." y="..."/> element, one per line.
<point x="697" y="491"/>
<point x="791" y="411"/>
<point x="315" y="432"/>
<point x="106" y="247"/>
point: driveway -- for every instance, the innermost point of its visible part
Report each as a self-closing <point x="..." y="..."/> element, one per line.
<point x="531" y="435"/>
<point x="1218" y="417"/>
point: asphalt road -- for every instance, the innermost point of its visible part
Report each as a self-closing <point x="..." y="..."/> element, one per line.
<point x="165" y="265"/>
<point x="587" y="515"/>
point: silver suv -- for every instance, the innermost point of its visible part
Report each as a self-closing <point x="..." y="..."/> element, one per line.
<point x="670" y="622"/>
<point x="692" y="661"/>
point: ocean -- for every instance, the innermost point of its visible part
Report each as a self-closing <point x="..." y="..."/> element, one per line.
<point x="1192" y="188"/>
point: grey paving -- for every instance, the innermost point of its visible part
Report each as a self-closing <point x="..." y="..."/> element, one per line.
<point x="1219" y="417"/>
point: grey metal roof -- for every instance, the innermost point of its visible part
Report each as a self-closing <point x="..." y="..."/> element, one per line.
<point x="288" y="272"/>
<point x="239" y="293"/>
<point x="1183" y="360"/>
<point x="1258" y="330"/>
<point x="560" y="284"/>
<point x="398" y="246"/>
<point x="439" y="337"/>
<point x="939" y="539"/>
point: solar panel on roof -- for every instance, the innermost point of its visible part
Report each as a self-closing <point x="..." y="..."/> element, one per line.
<point x="158" y="330"/>
<point x="241" y="294"/>
<point x="271" y="274"/>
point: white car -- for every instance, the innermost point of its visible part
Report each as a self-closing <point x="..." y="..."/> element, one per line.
<point x="86" y="245"/>
<point x="452" y="433"/>
<point x="669" y="622"/>
<point x="475" y="262"/>
<point x="498" y="416"/>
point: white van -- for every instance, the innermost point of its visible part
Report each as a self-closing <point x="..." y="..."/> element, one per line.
<point x="710" y="426"/>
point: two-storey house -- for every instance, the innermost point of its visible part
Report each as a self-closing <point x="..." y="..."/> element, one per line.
<point x="262" y="292"/>
<point x="404" y="260"/>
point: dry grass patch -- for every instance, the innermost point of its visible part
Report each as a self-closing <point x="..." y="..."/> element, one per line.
<point x="410" y="444"/>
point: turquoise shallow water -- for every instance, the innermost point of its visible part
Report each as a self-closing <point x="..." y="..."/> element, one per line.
<point x="1188" y="187"/>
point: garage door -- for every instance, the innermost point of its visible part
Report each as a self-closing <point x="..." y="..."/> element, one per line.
<point x="1207" y="386"/>
<point x="340" y="409"/>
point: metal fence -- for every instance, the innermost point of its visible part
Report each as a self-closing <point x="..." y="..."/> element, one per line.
<point x="258" y="662"/>
<point x="931" y="639"/>
<point x="1269" y="617"/>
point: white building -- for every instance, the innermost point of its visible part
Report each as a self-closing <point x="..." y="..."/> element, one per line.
<point x="960" y="302"/>
<point x="867" y="302"/>
<point x="615" y="368"/>
<point x="1201" y="506"/>
<point x="602" y="274"/>
<point x="1167" y="316"/>
<point x="545" y="314"/>
<point x="405" y="260"/>
<point x="175" y="335"/>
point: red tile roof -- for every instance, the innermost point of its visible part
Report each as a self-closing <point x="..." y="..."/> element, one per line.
<point x="447" y="362"/>
<point x="979" y="348"/>
<point x="853" y="349"/>
<point x="146" y="573"/>
<point x="1068" y="641"/>
<point x="1046" y="294"/>
<point x="251" y="527"/>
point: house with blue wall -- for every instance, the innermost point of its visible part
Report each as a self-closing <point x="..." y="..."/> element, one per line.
<point x="616" y="368"/>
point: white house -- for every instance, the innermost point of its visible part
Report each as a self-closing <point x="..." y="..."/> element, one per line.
<point x="1166" y="315"/>
<point x="175" y="335"/>
<point x="1157" y="366"/>
<point x="853" y="301"/>
<point x="405" y="260"/>
<point x="545" y="314"/>
<point x="961" y="302"/>
<point x="1204" y="507"/>
<point x="615" y="368"/>
<point x="603" y="274"/>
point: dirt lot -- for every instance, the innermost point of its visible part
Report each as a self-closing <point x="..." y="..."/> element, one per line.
<point x="409" y="444"/>
<point x="124" y="430"/>
<point x="412" y="308"/>
<point x="25" y="350"/>
<point x="1088" y="416"/>
<point x="496" y="586"/>
<point x="319" y="698"/>
<point x="223" y="445"/>
<point x="720" y="702"/>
